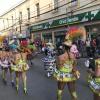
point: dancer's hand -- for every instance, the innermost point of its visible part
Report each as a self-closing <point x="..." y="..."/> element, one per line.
<point x="77" y="74"/>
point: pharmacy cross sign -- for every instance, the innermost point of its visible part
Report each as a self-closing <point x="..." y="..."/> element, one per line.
<point x="89" y="16"/>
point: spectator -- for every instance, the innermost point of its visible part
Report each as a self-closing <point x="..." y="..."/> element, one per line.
<point x="98" y="43"/>
<point x="88" y="47"/>
<point x="93" y="47"/>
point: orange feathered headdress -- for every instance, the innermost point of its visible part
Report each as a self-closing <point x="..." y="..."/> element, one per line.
<point x="74" y="33"/>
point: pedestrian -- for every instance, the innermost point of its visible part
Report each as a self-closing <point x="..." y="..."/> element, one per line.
<point x="20" y="67"/>
<point x="98" y="43"/>
<point x="88" y="47"/>
<point x="66" y="72"/>
<point x="95" y="81"/>
<point x="93" y="47"/>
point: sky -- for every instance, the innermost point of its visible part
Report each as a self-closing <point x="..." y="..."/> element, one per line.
<point x="5" y="5"/>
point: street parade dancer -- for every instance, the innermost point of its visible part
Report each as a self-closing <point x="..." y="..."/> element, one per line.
<point x="13" y="46"/>
<point x="49" y="60"/>
<point x="5" y="60"/>
<point x="90" y="64"/>
<point x="94" y="81"/>
<point x="5" y="64"/>
<point x="20" y="67"/>
<point x="67" y="72"/>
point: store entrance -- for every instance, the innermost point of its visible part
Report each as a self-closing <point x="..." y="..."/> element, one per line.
<point x="59" y="40"/>
<point x="47" y="37"/>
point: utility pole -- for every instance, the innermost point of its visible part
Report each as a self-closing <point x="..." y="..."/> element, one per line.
<point x="20" y="26"/>
<point x="12" y="24"/>
<point x="20" y="21"/>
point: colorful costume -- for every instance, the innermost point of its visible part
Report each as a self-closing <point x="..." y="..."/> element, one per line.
<point x="65" y="74"/>
<point x="20" y="66"/>
<point x="20" y="69"/>
<point x="5" y="64"/>
<point x="95" y="82"/>
<point x="49" y="63"/>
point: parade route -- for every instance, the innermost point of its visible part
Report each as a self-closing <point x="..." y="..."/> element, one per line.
<point x="42" y="88"/>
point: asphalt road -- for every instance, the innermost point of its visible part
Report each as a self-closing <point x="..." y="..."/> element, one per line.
<point x="42" y="88"/>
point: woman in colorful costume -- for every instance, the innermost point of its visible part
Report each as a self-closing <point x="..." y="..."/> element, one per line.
<point x="49" y="61"/>
<point x="66" y="72"/>
<point x="5" y="64"/>
<point x="20" y="67"/>
<point x="94" y="83"/>
<point x="5" y="59"/>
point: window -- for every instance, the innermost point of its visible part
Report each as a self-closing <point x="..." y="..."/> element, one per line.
<point x="8" y="22"/>
<point x="38" y="9"/>
<point x="55" y="4"/>
<point x="20" y="17"/>
<point x="12" y="20"/>
<point x="4" y="24"/>
<point x="28" y="13"/>
<point x="74" y="2"/>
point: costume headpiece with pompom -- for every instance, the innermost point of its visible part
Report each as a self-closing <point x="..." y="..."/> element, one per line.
<point x="74" y="33"/>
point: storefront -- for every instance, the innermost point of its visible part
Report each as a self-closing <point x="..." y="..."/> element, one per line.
<point x="47" y="37"/>
<point x="55" y="30"/>
<point x="59" y="37"/>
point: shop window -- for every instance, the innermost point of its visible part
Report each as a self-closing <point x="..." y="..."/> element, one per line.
<point x="47" y="37"/>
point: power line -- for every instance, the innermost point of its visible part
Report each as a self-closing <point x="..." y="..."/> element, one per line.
<point x="49" y="10"/>
<point x="41" y="9"/>
<point x="65" y="13"/>
<point x="55" y="16"/>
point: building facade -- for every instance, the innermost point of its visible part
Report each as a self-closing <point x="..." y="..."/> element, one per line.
<point x="49" y="21"/>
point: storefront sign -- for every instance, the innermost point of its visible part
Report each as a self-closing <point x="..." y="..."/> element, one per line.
<point x="83" y="17"/>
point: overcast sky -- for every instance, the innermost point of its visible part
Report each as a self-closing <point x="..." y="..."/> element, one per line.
<point x="7" y="4"/>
